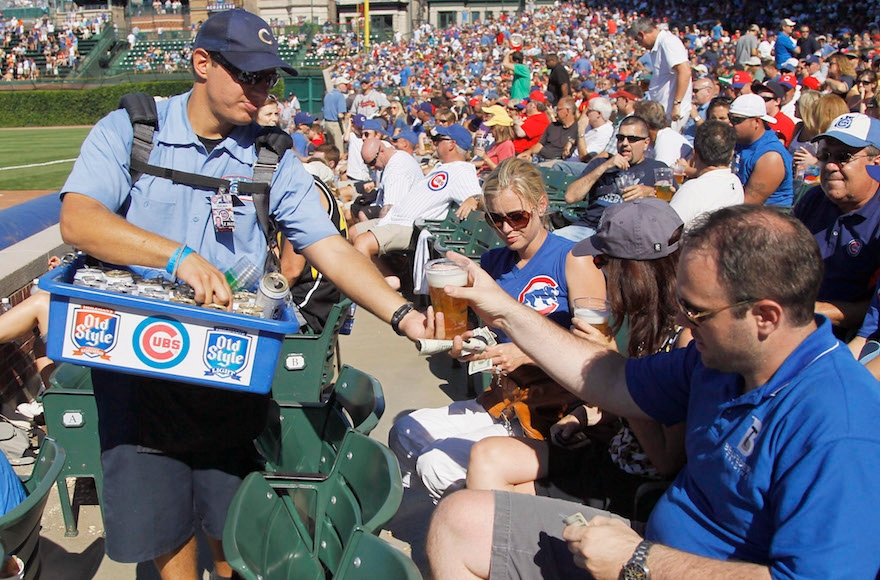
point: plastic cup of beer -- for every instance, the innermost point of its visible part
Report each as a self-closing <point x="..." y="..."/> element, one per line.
<point x="594" y="311"/>
<point x="442" y="273"/>
<point x="678" y="171"/>
<point x="663" y="179"/>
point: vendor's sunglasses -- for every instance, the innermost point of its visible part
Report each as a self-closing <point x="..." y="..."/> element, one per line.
<point x="518" y="219"/>
<point x="244" y="77"/>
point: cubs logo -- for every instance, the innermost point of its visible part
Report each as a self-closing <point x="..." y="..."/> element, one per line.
<point x="541" y="294"/>
<point x="160" y="342"/>
<point x="94" y="331"/>
<point x="226" y="353"/>
<point x="854" y="248"/>
<point x="844" y="122"/>
<point x="438" y="181"/>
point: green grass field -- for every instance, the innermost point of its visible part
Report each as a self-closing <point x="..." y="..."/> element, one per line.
<point x="35" y="146"/>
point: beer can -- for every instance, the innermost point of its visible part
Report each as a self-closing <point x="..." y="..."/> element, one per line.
<point x="272" y="295"/>
<point x="91" y="273"/>
<point x="191" y="302"/>
<point x="209" y="305"/>
<point x="243" y="299"/>
<point x="118" y="277"/>
<point x="250" y="310"/>
<point x="349" y="320"/>
<point x="124" y="288"/>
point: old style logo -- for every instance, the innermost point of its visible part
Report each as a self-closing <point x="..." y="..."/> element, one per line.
<point x="160" y="342"/>
<point x="94" y="331"/>
<point x="226" y="353"/>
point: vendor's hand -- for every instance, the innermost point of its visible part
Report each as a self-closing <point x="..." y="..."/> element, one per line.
<point x="417" y="325"/>
<point x="208" y="282"/>
<point x="466" y="207"/>
<point x="637" y="191"/>
<point x="458" y="351"/>
<point x="586" y="330"/>
<point x="603" y="546"/>
<point x="506" y="357"/>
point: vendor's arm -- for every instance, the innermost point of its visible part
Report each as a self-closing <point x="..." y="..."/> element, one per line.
<point x="359" y="279"/>
<point x="89" y="226"/>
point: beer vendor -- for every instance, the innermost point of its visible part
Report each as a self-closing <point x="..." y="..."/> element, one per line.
<point x="173" y="455"/>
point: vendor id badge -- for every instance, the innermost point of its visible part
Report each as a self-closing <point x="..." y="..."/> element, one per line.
<point x="221" y="211"/>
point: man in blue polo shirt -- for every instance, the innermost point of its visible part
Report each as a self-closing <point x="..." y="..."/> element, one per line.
<point x="843" y="212"/>
<point x="782" y="450"/>
<point x="173" y="454"/>
<point x="335" y="111"/>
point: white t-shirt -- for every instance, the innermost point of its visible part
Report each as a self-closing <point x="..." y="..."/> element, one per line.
<point x="431" y="197"/>
<point x="398" y="178"/>
<point x="667" y="52"/>
<point x="597" y="138"/>
<point x="712" y="190"/>
<point x="357" y="169"/>
<point x="670" y="147"/>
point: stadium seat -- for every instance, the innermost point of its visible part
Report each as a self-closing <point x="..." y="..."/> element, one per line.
<point x="367" y="557"/>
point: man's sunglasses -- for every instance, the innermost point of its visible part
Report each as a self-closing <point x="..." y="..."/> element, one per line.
<point x="696" y="317"/>
<point x="736" y="119"/>
<point x="518" y="219"/>
<point x="631" y="138"/>
<point x="372" y="163"/>
<point x="246" y="78"/>
<point x="840" y="158"/>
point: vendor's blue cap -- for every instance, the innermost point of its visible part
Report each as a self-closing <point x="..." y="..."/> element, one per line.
<point x="243" y="39"/>
<point x="303" y="118"/>
<point x="459" y="134"/>
<point x="407" y="135"/>
<point x="374" y="125"/>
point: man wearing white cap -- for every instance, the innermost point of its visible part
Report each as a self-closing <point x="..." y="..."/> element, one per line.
<point x="785" y="47"/>
<point x="762" y="163"/>
<point x="335" y="111"/>
<point x="843" y="213"/>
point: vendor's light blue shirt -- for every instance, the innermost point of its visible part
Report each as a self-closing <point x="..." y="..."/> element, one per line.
<point x="182" y="213"/>
<point x="784" y="475"/>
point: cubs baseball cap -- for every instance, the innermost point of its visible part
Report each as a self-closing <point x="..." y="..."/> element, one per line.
<point x="740" y="79"/>
<point x="854" y="130"/>
<point x="243" y="39"/>
<point x="789" y="81"/>
<point x="303" y="118"/>
<point x="811" y="82"/>
<point x="426" y="107"/>
<point x="407" y="135"/>
<point x="624" y="94"/>
<point x="457" y="133"/>
<point x="374" y="125"/>
<point x="537" y="96"/>
<point x="634" y="230"/>
<point x="812" y="59"/>
<point x="752" y="106"/>
<point x="790" y="65"/>
<point x="358" y="120"/>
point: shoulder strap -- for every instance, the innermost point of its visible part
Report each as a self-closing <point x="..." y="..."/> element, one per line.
<point x="141" y="109"/>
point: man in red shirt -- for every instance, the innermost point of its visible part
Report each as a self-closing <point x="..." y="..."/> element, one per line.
<point x="528" y="128"/>
<point x="773" y="93"/>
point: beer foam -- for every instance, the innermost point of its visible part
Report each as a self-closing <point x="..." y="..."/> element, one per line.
<point x="591" y="316"/>
<point x="440" y="276"/>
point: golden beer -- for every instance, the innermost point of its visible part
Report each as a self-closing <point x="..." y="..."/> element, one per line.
<point x="679" y="178"/>
<point x="594" y="311"/>
<point x="442" y="273"/>
<point x="664" y="191"/>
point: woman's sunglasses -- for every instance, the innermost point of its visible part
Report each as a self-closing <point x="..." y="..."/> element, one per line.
<point x="518" y="219"/>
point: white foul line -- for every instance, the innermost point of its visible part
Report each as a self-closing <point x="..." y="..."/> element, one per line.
<point x="37" y="164"/>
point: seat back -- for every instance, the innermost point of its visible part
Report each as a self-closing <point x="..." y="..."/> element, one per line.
<point x="368" y="557"/>
<point x="305" y="367"/>
<point x="262" y="538"/>
<point x="361" y="396"/>
<point x="363" y="489"/>
<point x="20" y="528"/>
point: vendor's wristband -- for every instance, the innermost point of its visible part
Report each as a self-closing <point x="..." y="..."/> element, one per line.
<point x="398" y="316"/>
<point x="172" y="261"/>
<point x="184" y="252"/>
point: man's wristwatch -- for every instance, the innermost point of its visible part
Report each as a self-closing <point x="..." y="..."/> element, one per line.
<point x="398" y="315"/>
<point x="676" y="102"/>
<point x="637" y="567"/>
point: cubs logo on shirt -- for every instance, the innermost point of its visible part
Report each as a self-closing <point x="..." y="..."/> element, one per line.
<point x="438" y="181"/>
<point x="854" y="248"/>
<point x="541" y="293"/>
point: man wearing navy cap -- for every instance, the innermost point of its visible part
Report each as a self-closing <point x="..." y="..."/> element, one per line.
<point x="370" y="103"/>
<point x="302" y="122"/>
<point x="174" y="454"/>
<point x="843" y="212"/>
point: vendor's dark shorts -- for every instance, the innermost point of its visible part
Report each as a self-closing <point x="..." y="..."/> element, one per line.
<point x="527" y="537"/>
<point x="154" y="502"/>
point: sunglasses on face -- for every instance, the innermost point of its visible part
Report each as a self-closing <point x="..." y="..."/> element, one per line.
<point x="697" y="317"/>
<point x="839" y="158"/>
<point x="865" y="82"/>
<point x="600" y="260"/>
<point x="518" y="219"/>
<point x="630" y="138"/>
<point x="767" y="99"/>
<point x="372" y="163"/>
<point x="736" y="119"/>
<point x="246" y="78"/>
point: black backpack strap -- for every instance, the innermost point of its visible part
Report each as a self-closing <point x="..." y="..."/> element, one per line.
<point x="271" y="144"/>
<point x="141" y="109"/>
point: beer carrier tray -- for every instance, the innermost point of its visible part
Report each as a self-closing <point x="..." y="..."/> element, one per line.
<point x="166" y="340"/>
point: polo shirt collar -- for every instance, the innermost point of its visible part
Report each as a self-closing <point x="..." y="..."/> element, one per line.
<point x="818" y="344"/>
<point x="869" y="209"/>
